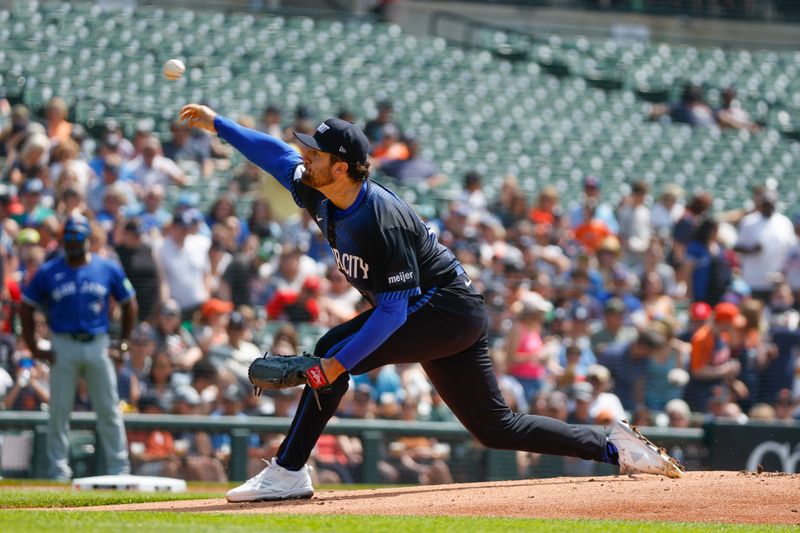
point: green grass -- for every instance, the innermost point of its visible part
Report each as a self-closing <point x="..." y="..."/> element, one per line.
<point x="26" y="498"/>
<point x="100" y="522"/>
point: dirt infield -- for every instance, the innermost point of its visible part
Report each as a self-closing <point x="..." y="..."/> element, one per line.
<point x="730" y="497"/>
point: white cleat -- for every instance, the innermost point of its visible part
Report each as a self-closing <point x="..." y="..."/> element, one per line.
<point x="637" y="455"/>
<point x="273" y="483"/>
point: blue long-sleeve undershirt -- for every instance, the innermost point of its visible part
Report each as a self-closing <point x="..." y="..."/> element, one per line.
<point x="386" y="318"/>
<point x="265" y="151"/>
<point x="281" y="161"/>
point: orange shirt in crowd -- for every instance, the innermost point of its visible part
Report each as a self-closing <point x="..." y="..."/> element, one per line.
<point x="706" y="350"/>
<point x="59" y="132"/>
<point x="591" y="234"/>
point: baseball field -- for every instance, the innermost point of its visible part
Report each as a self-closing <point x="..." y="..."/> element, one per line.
<point x="702" y="501"/>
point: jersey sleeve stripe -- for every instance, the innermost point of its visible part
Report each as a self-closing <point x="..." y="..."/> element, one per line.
<point x="398" y="295"/>
<point x="29" y="301"/>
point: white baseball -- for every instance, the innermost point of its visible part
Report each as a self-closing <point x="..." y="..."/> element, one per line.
<point x="173" y="69"/>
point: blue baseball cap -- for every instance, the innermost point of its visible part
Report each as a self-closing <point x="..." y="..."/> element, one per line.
<point x="33" y="185"/>
<point x="337" y="136"/>
<point x="76" y="228"/>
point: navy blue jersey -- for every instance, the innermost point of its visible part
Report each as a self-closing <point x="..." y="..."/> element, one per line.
<point x="380" y="244"/>
<point x="75" y="300"/>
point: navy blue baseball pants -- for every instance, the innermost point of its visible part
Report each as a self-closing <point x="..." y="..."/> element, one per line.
<point x="448" y="336"/>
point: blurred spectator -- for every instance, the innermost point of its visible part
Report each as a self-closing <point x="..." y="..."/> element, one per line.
<point x="592" y="231"/>
<point x="31" y="162"/>
<point x="374" y="128"/>
<point x="606" y="405"/>
<point x="17" y="130"/>
<point x="472" y="194"/>
<point x="142" y="349"/>
<point x="666" y="375"/>
<point x="711" y="365"/>
<point x="667" y="210"/>
<point x="152" y="452"/>
<point x="270" y="122"/>
<point x="140" y="266"/>
<point x="525" y="345"/>
<point x="791" y="266"/>
<point x="58" y="128"/>
<point x="153" y="215"/>
<point x="109" y="177"/>
<point x="237" y="353"/>
<point x="187" y="146"/>
<point x="31" y="387"/>
<point x="601" y="210"/>
<point x="765" y="237"/>
<point x="183" y="262"/>
<point x="172" y="336"/>
<point x="390" y="147"/>
<point x="635" y="229"/>
<point x="414" y="169"/>
<point x="152" y="168"/>
<point x="614" y="331"/>
<point x="708" y="268"/>
<point x="159" y="383"/>
<point x="691" y="109"/>
<point x="731" y="114"/>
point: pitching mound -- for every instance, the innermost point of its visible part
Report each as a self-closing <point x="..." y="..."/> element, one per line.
<point x="733" y="497"/>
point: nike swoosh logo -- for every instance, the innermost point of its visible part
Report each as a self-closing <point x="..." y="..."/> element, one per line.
<point x="468" y="282"/>
<point x="319" y="219"/>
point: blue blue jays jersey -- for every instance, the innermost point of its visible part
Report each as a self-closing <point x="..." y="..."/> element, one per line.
<point x="76" y="299"/>
<point x="380" y="244"/>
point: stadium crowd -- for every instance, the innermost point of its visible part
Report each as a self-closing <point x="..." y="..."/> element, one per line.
<point x="657" y="309"/>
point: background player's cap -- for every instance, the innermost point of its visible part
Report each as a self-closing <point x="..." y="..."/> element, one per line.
<point x="76" y="228"/>
<point x="339" y="137"/>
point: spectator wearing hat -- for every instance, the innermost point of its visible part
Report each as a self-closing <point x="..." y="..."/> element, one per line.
<point x="601" y="210"/>
<point x="525" y="345"/>
<point x="140" y="266"/>
<point x="699" y="314"/>
<point x="297" y="307"/>
<point x="141" y="351"/>
<point x="214" y="315"/>
<point x="751" y="347"/>
<point x="31" y="194"/>
<point x="707" y="267"/>
<point x="237" y="352"/>
<point x="175" y="338"/>
<point x="183" y="261"/>
<point x="711" y="364"/>
<point x="765" y="238"/>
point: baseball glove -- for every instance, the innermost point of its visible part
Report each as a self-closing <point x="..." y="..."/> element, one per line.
<point x="280" y="372"/>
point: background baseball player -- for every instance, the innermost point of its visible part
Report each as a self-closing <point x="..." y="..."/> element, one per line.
<point x="73" y="291"/>
<point x="425" y="310"/>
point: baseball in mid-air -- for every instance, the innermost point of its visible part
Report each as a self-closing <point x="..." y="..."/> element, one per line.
<point x="173" y="69"/>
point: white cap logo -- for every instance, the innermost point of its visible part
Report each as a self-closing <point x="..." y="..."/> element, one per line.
<point x="342" y="150"/>
<point x="323" y="128"/>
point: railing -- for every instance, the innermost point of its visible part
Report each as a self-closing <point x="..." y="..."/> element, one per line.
<point x="371" y="433"/>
